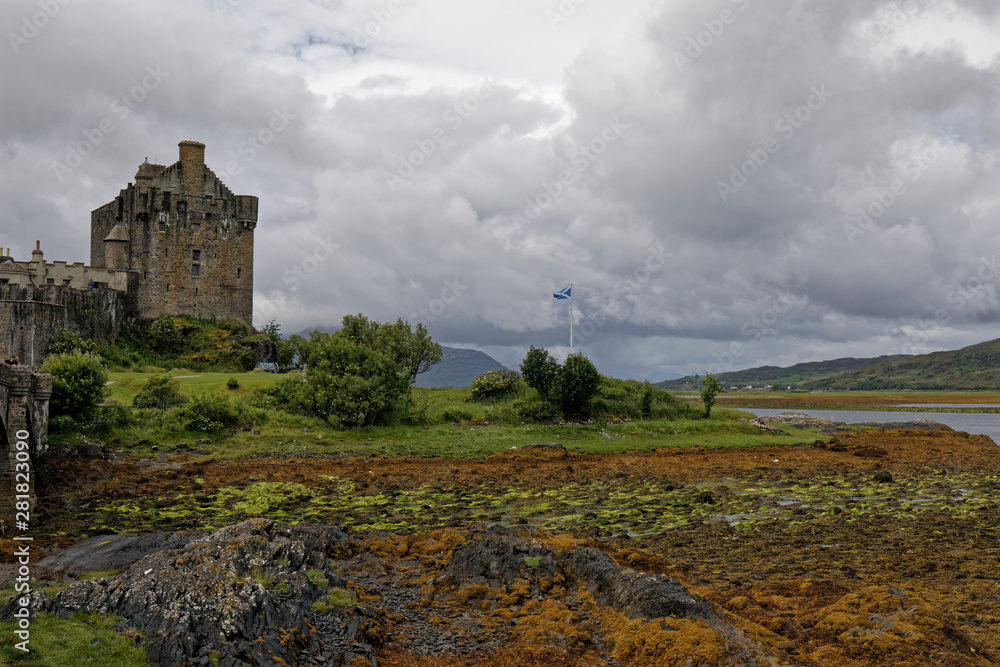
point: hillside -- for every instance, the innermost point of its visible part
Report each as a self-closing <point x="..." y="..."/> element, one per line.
<point x="975" y="367"/>
<point x="457" y="368"/>
<point x="795" y="376"/>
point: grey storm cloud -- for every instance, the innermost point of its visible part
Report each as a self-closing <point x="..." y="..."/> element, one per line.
<point x="790" y="181"/>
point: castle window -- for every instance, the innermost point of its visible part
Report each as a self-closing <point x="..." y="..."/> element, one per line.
<point x="195" y="270"/>
<point x="66" y="282"/>
<point x="196" y="255"/>
<point x="238" y="272"/>
<point x="168" y="287"/>
<point x="196" y="291"/>
<point x="197" y="227"/>
<point x="50" y="281"/>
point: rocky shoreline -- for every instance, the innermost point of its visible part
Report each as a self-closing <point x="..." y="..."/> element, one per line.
<point x="873" y="548"/>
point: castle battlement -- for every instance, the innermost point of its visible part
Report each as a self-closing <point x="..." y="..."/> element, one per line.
<point x="176" y="242"/>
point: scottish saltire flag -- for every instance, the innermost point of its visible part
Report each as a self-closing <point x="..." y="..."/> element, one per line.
<point x="563" y="294"/>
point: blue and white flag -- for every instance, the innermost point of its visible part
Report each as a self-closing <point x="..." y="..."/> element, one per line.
<point x="563" y="294"/>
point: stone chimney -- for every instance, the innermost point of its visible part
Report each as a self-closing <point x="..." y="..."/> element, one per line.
<point x="192" y="168"/>
<point x="38" y="260"/>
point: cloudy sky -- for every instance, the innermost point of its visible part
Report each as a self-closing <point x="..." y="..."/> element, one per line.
<point x="726" y="184"/>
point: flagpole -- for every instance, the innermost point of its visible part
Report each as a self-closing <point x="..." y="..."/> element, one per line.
<point x="571" y="318"/>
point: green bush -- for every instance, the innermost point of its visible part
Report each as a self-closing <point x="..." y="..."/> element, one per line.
<point x="160" y="392"/>
<point x="164" y="335"/>
<point x="78" y="384"/>
<point x="495" y="383"/>
<point x="285" y="394"/>
<point x="67" y="341"/>
<point x="575" y="384"/>
<point x="539" y="411"/>
<point x="232" y="383"/>
<point x="539" y="371"/>
<point x="351" y="384"/>
<point x="214" y="412"/>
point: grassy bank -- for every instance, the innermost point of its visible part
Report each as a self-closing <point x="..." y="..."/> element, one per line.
<point x="439" y="423"/>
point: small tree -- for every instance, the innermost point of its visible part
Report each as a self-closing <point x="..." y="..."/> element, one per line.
<point x="710" y="388"/>
<point x="575" y="384"/>
<point x="539" y="370"/>
<point x="78" y="384"/>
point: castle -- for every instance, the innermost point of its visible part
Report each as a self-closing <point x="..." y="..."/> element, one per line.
<point x="177" y="241"/>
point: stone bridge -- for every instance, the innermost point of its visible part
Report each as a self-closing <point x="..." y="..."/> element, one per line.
<point x="24" y="417"/>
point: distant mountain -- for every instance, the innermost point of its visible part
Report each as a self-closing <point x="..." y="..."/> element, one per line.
<point x="457" y="368"/>
<point x="796" y="376"/>
<point x="974" y="367"/>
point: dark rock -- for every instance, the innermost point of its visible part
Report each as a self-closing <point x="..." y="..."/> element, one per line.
<point x="90" y="449"/>
<point x="705" y="497"/>
<point x="207" y="595"/>
<point x="883" y="477"/>
<point x="119" y="551"/>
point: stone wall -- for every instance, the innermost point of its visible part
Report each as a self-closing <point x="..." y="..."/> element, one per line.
<point x="24" y="407"/>
<point x="31" y="316"/>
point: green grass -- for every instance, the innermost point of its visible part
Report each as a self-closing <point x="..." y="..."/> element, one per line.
<point x="83" y="639"/>
<point x="124" y="386"/>
<point x="434" y="431"/>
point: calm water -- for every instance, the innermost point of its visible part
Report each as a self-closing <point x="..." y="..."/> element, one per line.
<point x="988" y="424"/>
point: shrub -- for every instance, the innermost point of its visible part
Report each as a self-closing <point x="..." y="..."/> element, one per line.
<point x="575" y="384"/>
<point x="495" y="383"/>
<point x="539" y="371"/>
<point x="232" y="383"/>
<point x="214" y="412"/>
<point x="78" y="384"/>
<point x="67" y="341"/>
<point x="351" y="384"/>
<point x="164" y="336"/>
<point x="539" y="411"/>
<point x="160" y="392"/>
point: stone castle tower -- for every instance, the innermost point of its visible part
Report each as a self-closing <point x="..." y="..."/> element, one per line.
<point x="185" y="237"/>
